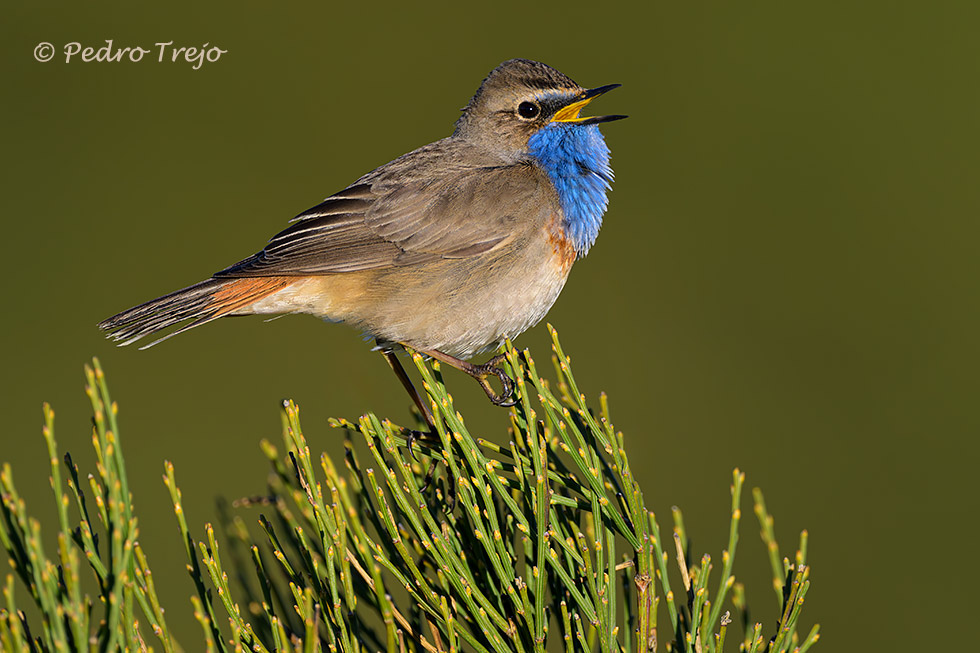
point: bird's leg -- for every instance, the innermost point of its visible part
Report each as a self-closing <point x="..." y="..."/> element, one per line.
<point x="399" y="371"/>
<point x="481" y="373"/>
<point x="406" y="382"/>
<point x="396" y="366"/>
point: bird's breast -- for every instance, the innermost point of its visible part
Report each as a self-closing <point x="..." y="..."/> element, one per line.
<point x="462" y="306"/>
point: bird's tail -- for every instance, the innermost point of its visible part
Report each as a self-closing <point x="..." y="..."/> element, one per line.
<point x="192" y="306"/>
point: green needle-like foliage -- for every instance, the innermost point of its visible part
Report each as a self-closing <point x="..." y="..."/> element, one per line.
<point x="542" y="543"/>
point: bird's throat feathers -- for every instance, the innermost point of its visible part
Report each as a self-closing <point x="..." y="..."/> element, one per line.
<point x="576" y="159"/>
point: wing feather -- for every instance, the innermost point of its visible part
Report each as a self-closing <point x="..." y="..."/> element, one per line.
<point x="384" y="223"/>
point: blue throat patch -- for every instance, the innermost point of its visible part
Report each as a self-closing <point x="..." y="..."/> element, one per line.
<point x="577" y="161"/>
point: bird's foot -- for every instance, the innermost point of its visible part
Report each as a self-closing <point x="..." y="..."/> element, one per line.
<point x="430" y="473"/>
<point x="429" y="437"/>
<point x="492" y="367"/>
<point x="481" y="373"/>
<point x="412" y="436"/>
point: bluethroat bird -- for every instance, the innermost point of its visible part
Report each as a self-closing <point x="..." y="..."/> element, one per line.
<point x="449" y="249"/>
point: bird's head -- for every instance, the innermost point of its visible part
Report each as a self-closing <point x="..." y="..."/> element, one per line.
<point x="521" y="97"/>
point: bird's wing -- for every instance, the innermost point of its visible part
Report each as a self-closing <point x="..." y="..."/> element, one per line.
<point x="388" y="224"/>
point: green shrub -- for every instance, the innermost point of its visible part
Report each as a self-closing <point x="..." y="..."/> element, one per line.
<point x="546" y="539"/>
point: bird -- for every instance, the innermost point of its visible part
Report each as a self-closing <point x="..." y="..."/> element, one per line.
<point x="448" y="250"/>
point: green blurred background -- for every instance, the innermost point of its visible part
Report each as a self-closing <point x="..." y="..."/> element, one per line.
<point x="786" y="280"/>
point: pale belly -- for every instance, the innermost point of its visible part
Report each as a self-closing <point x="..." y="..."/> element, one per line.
<point x="460" y="307"/>
<point x="481" y="316"/>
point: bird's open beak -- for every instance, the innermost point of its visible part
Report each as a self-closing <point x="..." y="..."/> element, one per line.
<point x="569" y="113"/>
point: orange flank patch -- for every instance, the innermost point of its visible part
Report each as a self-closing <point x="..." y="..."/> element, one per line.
<point x="239" y="293"/>
<point x="561" y="245"/>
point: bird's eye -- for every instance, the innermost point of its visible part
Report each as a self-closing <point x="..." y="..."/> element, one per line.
<point x="528" y="110"/>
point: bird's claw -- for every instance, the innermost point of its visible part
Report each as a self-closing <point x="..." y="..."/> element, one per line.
<point x="481" y="372"/>
<point x="410" y="439"/>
